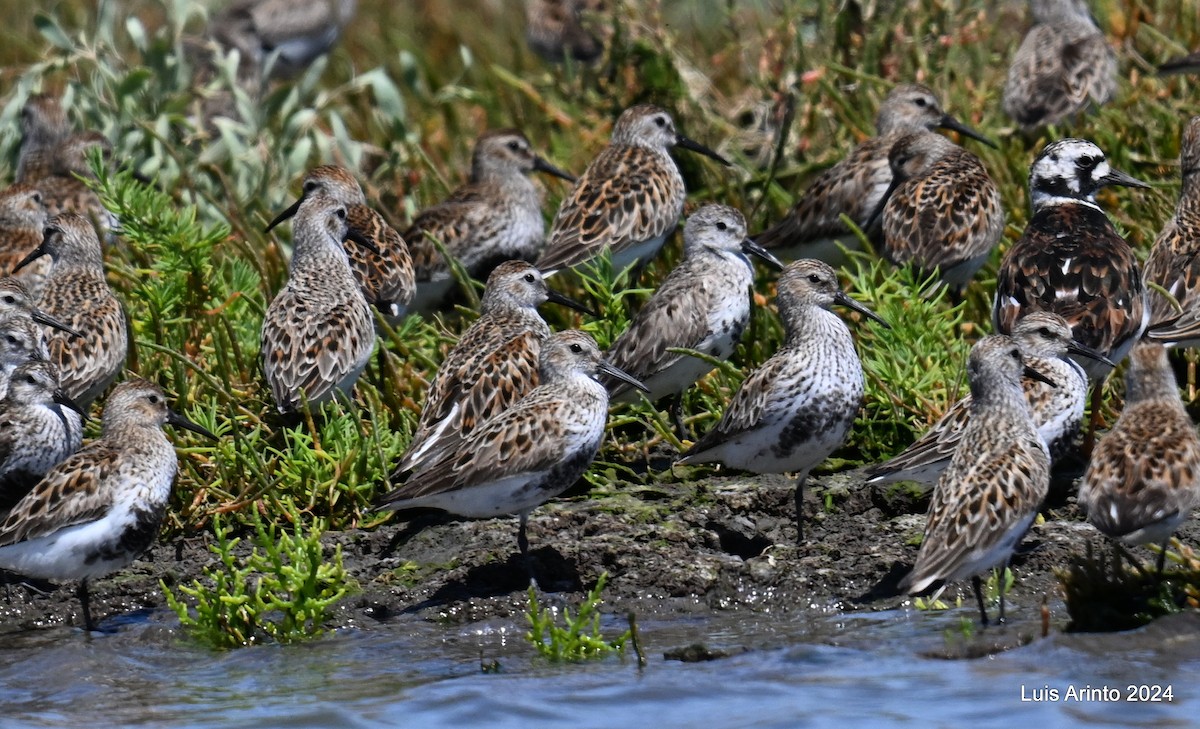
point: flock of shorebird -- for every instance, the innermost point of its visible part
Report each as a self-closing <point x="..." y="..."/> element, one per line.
<point x="516" y="414"/>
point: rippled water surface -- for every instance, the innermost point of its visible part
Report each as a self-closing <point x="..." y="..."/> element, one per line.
<point x="858" y="670"/>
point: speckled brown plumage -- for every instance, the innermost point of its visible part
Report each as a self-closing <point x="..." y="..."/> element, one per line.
<point x="855" y="185"/>
<point x="494" y="364"/>
<point x="1174" y="261"/>
<point x="1071" y="260"/>
<point x="943" y="211"/>
<point x="318" y="333"/>
<point x="37" y="430"/>
<point x="386" y="277"/>
<point x="76" y="293"/>
<point x="1144" y="476"/>
<point x="63" y="191"/>
<point x="1064" y="64"/>
<point x="495" y="217"/>
<point x="995" y="483"/>
<point x="43" y="127"/>
<point x="628" y="200"/>
<point x="22" y="220"/>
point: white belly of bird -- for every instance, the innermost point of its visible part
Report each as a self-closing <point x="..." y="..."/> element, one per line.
<point x="638" y="253"/>
<point x="63" y="555"/>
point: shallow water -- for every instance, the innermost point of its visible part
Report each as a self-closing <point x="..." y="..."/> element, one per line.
<point x="843" y="671"/>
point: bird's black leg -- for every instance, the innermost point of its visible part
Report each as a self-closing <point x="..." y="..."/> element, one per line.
<point x="523" y="545"/>
<point x="978" y="585"/>
<point x="82" y="593"/>
<point x="800" y="510"/>
<point x="675" y="410"/>
<point x="1162" y="558"/>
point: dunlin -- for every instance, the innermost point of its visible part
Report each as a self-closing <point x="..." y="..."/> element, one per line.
<point x="1144" y="477"/>
<point x="495" y="217"/>
<point x="22" y="221"/>
<point x="43" y="127"/>
<point x="1057" y="409"/>
<point x="383" y="270"/>
<point x="64" y="191"/>
<point x="494" y="364"/>
<point x="702" y="305"/>
<point x="991" y="491"/>
<point x="1063" y="65"/>
<point x="76" y="292"/>
<point x="561" y="29"/>
<point x="1174" y="261"/>
<point x="39" y="427"/>
<point x="941" y="211"/>
<point x="629" y="199"/>
<point x="317" y="334"/>
<point x="854" y="186"/>
<point x="529" y="453"/>
<point x="98" y="510"/>
<point x="792" y="412"/>
<point x="1071" y="260"/>
<point x="294" y="32"/>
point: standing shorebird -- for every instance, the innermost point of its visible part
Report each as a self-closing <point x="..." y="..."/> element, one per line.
<point x="98" y="510"/>
<point x="855" y="186"/>
<point x="1174" y="261"/>
<point x="702" y="305"/>
<point x="76" y="292"/>
<point x="22" y="222"/>
<point x="39" y="427"/>
<point x="941" y="211"/>
<point x="1071" y="260"/>
<point x="796" y="409"/>
<point x="292" y="32"/>
<point x="317" y="334"/>
<point x="1063" y="65"/>
<point x="1057" y="408"/>
<point x="384" y="269"/>
<point x="495" y="217"/>
<point x="64" y="191"/>
<point x="561" y="29"/>
<point x="493" y="365"/>
<point x="21" y="341"/>
<point x="529" y="453"/>
<point x="628" y="200"/>
<point x="990" y="493"/>
<point x="1144" y="477"/>
<point x="43" y="127"/>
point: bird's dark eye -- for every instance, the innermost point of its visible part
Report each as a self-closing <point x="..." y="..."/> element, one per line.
<point x="920" y="101"/>
<point x="530" y="278"/>
<point x="1016" y="354"/>
<point x="576" y="348"/>
<point x="1086" y="162"/>
<point x="1054" y="158"/>
<point x="660" y="121"/>
<point x="10" y="299"/>
<point x="29" y="379"/>
<point x="153" y="399"/>
<point x="341" y="213"/>
<point x="11" y="339"/>
<point x="1045" y="332"/>
<point x="814" y="278"/>
<point x="310" y="186"/>
<point x="37" y="197"/>
<point x="722" y="226"/>
<point x="513" y="145"/>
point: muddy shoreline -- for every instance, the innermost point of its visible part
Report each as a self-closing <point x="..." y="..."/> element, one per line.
<point x="726" y="543"/>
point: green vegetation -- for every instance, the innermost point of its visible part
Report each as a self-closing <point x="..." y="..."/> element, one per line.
<point x="580" y="638"/>
<point x="280" y="591"/>
<point x="1109" y="589"/>
<point x="401" y="100"/>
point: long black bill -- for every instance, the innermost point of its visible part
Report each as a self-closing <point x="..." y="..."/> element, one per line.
<point x="353" y="234"/>
<point x="542" y="165"/>
<point x="35" y="254"/>
<point x="1033" y="374"/>
<point x="67" y="402"/>
<point x="285" y="214"/>
<point x="877" y="213"/>
<point x="751" y="248"/>
<point x="949" y="122"/>
<point x="179" y="421"/>
<point x="557" y="298"/>
<point x="1117" y="177"/>
<point x="42" y="317"/>
<point x="622" y="375"/>
<point x="682" y="141"/>
<point x="1085" y="351"/>
<point x="841" y="298"/>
